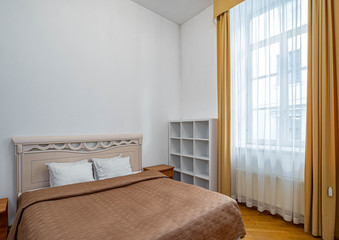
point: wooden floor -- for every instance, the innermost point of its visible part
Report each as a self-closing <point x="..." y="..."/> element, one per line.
<point x="260" y="226"/>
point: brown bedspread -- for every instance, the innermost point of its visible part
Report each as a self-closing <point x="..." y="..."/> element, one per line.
<point x="147" y="205"/>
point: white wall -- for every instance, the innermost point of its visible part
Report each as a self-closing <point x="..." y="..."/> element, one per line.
<point x="199" y="66"/>
<point x="85" y="67"/>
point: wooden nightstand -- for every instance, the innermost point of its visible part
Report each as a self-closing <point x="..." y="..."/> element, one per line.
<point x="3" y="218"/>
<point x="165" y="169"/>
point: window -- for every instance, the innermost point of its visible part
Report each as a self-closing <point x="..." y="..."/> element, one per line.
<point x="277" y="78"/>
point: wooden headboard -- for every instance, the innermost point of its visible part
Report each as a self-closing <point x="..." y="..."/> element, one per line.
<point x="31" y="154"/>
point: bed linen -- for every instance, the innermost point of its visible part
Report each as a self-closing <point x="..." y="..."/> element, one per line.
<point x="147" y="205"/>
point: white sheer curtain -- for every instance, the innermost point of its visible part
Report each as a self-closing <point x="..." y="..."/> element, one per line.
<point x="268" y="87"/>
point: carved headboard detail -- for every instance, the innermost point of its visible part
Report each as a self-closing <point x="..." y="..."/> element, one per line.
<point x="31" y="154"/>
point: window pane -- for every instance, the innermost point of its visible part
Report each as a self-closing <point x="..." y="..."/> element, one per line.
<point x="303" y="6"/>
<point x="266" y="25"/>
<point x="275" y="92"/>
<point x="275" y="123"/>
<point x="265" y="92"/>
<point x="265" y="60"/>
<point x="274" y="22"/>
<point x="265" y="125"/>
<point x="294" y="94"/>
<point x="296" y="126"/>
<point x="292" y="18"/>
<point x="293" y="66"/>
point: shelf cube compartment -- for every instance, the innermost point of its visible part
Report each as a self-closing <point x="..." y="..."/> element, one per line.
<point x="174" y="129"/>
<point x="201" y="183"/>
<point x="201" y="168"/>
<point x="186" y="178"/>
<point x="187" y="164"/>
<point x="202" y="149"/>
<point x="187" y="129"/>
<point x="187" y="147"/>
<point x="174" y="146"/>
<point x="177" y="176"/>
<point x="201" y="130"/>
<point x="175" y="161"/>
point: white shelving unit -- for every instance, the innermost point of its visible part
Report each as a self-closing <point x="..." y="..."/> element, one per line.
<point x="193" y="152"/>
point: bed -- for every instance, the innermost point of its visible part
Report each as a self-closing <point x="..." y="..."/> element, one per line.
<point x="147" y="205"/>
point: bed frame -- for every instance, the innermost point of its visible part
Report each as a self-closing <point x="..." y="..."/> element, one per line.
<point x="31" y="154"/>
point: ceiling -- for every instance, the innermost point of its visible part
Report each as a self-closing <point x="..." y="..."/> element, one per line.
<point x="178" y="11"/>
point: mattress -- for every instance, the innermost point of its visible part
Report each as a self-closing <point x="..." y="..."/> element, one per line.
<point x="147" y="205"/>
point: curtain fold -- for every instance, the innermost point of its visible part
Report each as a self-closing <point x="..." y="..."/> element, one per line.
<point x="224" y="103"/>
<point x="336" y="49"/>
<point x="322" y="142"/>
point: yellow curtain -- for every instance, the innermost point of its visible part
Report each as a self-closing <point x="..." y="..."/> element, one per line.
<point x="224" y="102"/>
<point x="221" y="6"/>
<point x="336" y="31"/>
<point x="322" y="142"/>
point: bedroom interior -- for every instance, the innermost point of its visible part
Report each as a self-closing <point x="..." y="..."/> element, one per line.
<point x="169" y="119"/>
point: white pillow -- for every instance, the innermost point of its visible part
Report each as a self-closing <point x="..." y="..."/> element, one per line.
<point x="111" y="167"/>
<point x="63" y="164"/>
<point x="95" y="172"/>
<point x="69" y="173"/>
